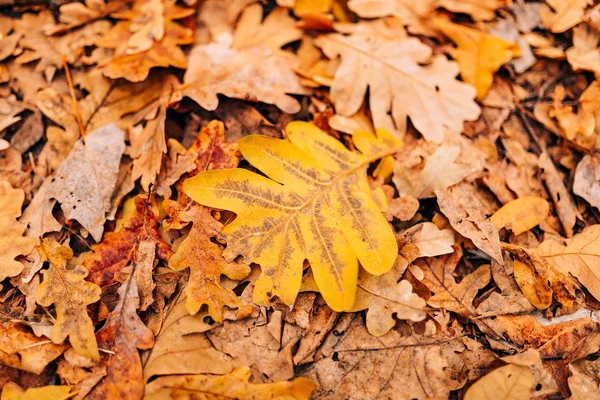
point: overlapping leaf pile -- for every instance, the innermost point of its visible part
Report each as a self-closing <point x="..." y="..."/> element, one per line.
<point x="295" y="199"/>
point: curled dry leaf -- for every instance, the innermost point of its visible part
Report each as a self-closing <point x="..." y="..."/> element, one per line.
<point x="510" y="382"/>
<point x="521" y="215"/>
<point x="12" y="242"/>
<point x="392" y="70"/>
<point x="70" y="294"/>
<point x="12" y="391"/>
<point x="232" y="385"/>
<point x="479" y="54"/>
<point x="279" y="226"/>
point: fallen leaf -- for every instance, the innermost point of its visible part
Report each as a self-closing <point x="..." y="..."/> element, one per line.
<point x="74" y="15"/>
<point x="70" y="294"/>
<point x="12" y="391"/>
<point x="582" y="122"/>
<point x="122" y="334"/>
<point x="234" y="385"/>
<point x="561" y="15"/>
<point x="584" y="380"/>
<point x="586" y="183"/>
<point x="521" y="215"/>
<point x="393" y="71"/>
<point x="276" y="30"/>
<point x="425" y="240"/>
<point x="510" y="382"/>
<point x="297" y="227"/>
<point x="469" y="220"/>
<point x="479" y="55"/>
<point x="146" y="37"/>
<point x="12" y="242"/>
<point x="584" y="55"/>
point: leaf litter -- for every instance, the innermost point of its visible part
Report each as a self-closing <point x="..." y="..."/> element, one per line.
<point x="299" y="199"/>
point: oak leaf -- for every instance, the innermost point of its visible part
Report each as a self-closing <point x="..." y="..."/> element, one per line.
<point x="12" y="391"/>
<point x="74" y="15"/>
<point x="21" y="349"/>
<point x="510" y="382"/>
<point x="521" y="215"/>
<point x="70" y="294"/>
<point x="584" y="55"/>
<point x="393" y="70"/>
<point x="232" y="385"/>
<point x="580" y="257"/>
<point x="583" y="121"/>
<point x="425" y="240"/>
<point x="449" y="295"/>
<point x="479" y="54"/>
<point x="561" y="15"/>
<point x="147" y="37"/>
<point x="318" y="214"/>
<point x="12" y="242"/>
<point x="122" y="334"/>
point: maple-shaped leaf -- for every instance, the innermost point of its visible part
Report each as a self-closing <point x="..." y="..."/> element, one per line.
<point x="394" y="70"/>
<point x="138" y="225"/>
<point x="12" y="242"/>
<point x="21" y="349"/>
<point x="317" y="206"/>
<point x="479" y="54"/>
<point x="70" y="294"/>
<point x="122" y="334"/>
<point x="449" y="295"/>
<point x="233" y="385"/>
<point x="147" y="37"/>
<point x="12" y="391"/>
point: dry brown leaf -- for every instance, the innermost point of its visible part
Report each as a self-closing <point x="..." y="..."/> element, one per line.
<point x="147" y="37"/>
<point x="232" y="385"/>
<point x="521" y="215"/>
<point x="74" y="15"/>
<point x="561" y="15"/>
<point x="585" y="54"/>
<point x="582" y="122"/>
<point x="449" y="295"/>
<point x="122" y="334"/>
<point x="21" y="349"/>
<point x="277" y="29"/>
<point x="587" y="180"/>
<point x="510" y="382"/>
<point x="70" y="294"/>
<point x="12" y="242"/>
<point x="392" y="70"/>
<point x="584" y="381"/>
<point x="468" y="219"/>
<point x="425" y="240"/>
<point x="218" y="16"/>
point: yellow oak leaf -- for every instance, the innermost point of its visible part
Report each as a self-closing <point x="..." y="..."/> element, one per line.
<point x="511" y="382"/>
<point x="70" y="294"/>
<point x="316" y="206"/>
<point x="479" y="54"/>
<point x="561" y="15"/>
<point x="521" y="215"/>
<point x="233" y="385"/>
<point x="12" y="391"/>
<point x="12" y="242"/>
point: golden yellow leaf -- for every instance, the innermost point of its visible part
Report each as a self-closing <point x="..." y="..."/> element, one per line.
<point x="12" y="391"/>
<point x="70" y="294"/>
<point x="580" y="257"/>
<point x="12" y="242"/>
<point x="560" y="15"/>
<point x="234" y="385"/>
<point x="533" y="286"/>
<point x="521" y="215"/>
<point x="511" y="382"/>
<point x="479" y="54"/>
<point x="317" y="207"/>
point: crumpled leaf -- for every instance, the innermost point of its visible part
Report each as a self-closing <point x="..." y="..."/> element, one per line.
<point x="280" y="226"/>
<point x="479" y="55"/>
<point x="580" y="257"/>
<point x="521" y="215"/>
<point x="585" y="53"/>
<point x="21" y="349"/>
<point x="510" y="382"/>
<point x="85" y="180"/>
<point x="393" y="71"/>
<point x="74" y="15"/>
<point x="147" y="37"/>
<point x="12" y="391"/>
<point x="122" y="334"/>
<point x="449" y="295"/>
<point x="12" y="242"/>
<point x="216" y="68"/>
<point x="138" y="226"/>
<point x="425" y="240"/>
<point x="561" y="15"/>
<point x="469" y="220"/>
<point x="232" y="385"/>
<point x="587" y="180"/>
<point x="70" y="294"/>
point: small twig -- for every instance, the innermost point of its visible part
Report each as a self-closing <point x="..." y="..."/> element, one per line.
<point x="73" y="98"/>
